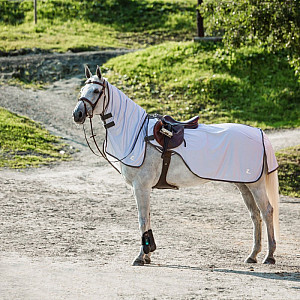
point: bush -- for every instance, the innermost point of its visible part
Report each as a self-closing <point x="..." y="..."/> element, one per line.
<point x="13" y="12"/>
<point x="274" y="24"/>
<point x="289" y="171"/>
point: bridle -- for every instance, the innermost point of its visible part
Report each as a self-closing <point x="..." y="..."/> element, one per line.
<point x="93" y="105"/>
<point x="103" y="117"/>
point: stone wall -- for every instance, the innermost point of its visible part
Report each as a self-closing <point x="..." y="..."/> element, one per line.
<point x="51" y="67"/>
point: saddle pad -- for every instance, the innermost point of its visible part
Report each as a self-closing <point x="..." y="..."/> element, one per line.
<point x="225" y="152"/>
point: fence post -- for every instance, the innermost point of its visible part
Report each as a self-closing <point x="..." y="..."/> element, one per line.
<point x="35" y="11"/>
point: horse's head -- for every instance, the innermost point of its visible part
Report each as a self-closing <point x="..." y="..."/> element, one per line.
<point x="92" y="97"/>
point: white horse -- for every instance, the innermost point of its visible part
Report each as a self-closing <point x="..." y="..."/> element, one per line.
<point x="261" y="197"/>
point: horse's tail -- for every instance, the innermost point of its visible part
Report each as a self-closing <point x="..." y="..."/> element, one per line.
<point x="272" y="187"/>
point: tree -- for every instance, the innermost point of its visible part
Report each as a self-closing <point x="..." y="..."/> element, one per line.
<point x="200" y="28"/>
<point x="274" y="24"/>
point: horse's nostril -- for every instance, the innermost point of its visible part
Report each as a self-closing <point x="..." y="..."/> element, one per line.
<point x="80" y="114"/>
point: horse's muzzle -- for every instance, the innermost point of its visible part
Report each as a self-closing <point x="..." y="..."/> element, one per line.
<point x="79" y="113"/>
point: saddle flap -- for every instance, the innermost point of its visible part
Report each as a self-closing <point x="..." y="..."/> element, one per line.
<point x="176" y="138"/>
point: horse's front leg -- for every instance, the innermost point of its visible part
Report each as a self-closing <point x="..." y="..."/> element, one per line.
<point x="142" y="196"/>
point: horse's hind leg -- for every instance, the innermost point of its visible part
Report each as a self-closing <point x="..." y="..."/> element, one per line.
<point x="258" y="189"/>
<point x="256" y="219"/>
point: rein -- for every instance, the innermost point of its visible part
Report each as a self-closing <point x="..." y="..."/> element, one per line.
<point x="103" y="117"/>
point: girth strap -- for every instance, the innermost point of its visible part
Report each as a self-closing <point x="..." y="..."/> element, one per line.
<point x="162" y="182"/>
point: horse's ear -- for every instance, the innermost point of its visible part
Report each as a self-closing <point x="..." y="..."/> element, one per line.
<point x="88" y="73"/>
<point x="98" y="72"/>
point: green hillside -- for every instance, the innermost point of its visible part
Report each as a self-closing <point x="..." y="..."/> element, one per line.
<point x="24" y="143"/>
<point x="85" y="25"/>
<point x="247" y="86"/>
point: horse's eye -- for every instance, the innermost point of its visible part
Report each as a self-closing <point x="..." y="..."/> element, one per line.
<point x="96" y="91"/>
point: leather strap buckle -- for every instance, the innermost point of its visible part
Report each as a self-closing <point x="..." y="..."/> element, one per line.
<point x="109" y="125"/>
<point x="105" y="117"/>
<point x="166" y="132"/>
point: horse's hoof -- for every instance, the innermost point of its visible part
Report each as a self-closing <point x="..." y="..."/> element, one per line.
<point x="269" y="261"/>
<point x="250" y="260"/>
<point x="138" y="262"/>
<point x="147" y="260"/>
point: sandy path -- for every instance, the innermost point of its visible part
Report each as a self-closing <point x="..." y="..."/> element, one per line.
<point x="70" y="231"/>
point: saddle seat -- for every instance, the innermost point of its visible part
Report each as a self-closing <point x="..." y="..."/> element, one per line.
<point x="169" y="133"/>
<point x="191" y="123"/>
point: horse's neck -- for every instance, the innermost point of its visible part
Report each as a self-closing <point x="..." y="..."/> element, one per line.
<point x="127" y="133"/>
<point x="123" y="109"/>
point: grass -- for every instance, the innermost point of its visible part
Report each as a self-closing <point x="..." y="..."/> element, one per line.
<point x="24" y="143"/>
<point x="73" y="35"/>
<point x="247" y="86"/>
<point x="85" y="25"/>
<point x="25" y="83"/>
<point x="289" y="171"/>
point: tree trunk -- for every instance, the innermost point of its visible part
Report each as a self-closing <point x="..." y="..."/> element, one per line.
<point x="200" y="28"/>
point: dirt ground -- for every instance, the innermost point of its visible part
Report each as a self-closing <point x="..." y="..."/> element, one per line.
<point x="70" y="231"/>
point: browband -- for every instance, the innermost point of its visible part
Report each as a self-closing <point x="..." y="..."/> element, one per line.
<point x="96" y="82"/>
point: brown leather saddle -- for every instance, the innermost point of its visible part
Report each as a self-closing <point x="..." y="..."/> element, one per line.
<point x="169" y="133"/>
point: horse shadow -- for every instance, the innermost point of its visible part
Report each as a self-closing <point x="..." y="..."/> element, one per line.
<point x="285" y="276"/>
